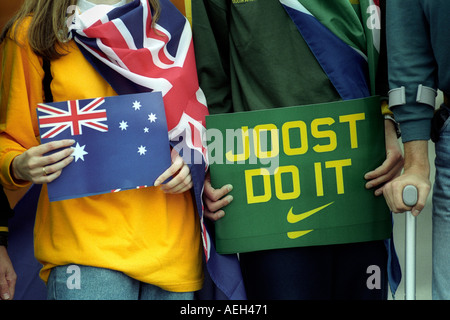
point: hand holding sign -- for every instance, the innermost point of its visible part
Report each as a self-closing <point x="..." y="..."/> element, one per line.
<point x="391" y="167"/>
<point x="215" y="199"/>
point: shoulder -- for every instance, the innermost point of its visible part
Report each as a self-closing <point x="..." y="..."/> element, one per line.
<point x="16" y="49"/>
<point x="19" y="31"/>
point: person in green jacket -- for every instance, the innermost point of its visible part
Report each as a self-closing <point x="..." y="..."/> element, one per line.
<point x="251" y="56"/>
<point x="419" y="64"/>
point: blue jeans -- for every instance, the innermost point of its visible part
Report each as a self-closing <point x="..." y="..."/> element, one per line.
<point x="77" y="282"/>
<point x="441" y="217"/>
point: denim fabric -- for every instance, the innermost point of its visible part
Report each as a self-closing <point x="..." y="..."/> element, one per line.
<point x="441" y="217"/>
<point x="77" y="282"/>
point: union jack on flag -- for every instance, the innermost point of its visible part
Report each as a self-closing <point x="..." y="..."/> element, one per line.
<point x="74" y="118"/>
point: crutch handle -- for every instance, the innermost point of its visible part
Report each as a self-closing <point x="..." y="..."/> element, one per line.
<point x="410" y="195"/>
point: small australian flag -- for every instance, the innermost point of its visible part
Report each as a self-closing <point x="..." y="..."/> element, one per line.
<point x="121" y="143"/>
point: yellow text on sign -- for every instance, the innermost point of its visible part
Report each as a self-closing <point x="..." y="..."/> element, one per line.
<point x="327" y="136"/>
<point x="293" y="172"/>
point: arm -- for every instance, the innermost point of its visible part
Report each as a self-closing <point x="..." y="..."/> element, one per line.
<point x="392" y="166"/>
<point x="211" y="41"/>
<point x="22" y="160"/>
<point x="7" y="274"/>
<point x="411" y="63"/>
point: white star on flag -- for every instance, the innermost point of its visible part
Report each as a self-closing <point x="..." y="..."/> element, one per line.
<point x="123" y="125"/>
<point x="142" y="150"/>
<point x="137" y="105"/>
<point x="78" y="152"/>
<point x="152" y="117"/>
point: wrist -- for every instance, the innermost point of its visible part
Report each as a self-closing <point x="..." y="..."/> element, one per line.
<point x="390" y="119"/>
<point x="14" y="172"/>
<point x="416" y="157"/>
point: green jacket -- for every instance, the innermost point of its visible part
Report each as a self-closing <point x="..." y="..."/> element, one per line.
<point x="251" y="56"/>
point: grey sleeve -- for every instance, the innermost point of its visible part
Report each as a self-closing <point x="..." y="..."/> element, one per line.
<point x="411" y="63"/>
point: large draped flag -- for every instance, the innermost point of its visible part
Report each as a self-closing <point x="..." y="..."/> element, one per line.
<point x="134" y="54"/>
<point x="350" y="28"/>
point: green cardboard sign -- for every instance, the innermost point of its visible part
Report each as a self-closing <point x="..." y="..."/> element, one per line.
<point x="298" y="175"/>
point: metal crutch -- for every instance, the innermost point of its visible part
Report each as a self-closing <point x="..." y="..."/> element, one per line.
<point x="410" y="199"/>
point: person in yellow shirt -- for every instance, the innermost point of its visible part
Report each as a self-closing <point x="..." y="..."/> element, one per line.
<point x="135" y="244"/>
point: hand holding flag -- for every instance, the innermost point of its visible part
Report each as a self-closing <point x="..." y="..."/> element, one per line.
<point x="181" y="176"/>
<point x="35" y="166"/>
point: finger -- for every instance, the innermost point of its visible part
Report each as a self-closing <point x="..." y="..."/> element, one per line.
<point x="61" y="162"/>
<point x="52" y="146"/>
<point x="12" y="285"/>
<point x="389" y="165"/>
<point x="389" y="195"/>
<point x="48" y="178"/>
<point x="214" y="206"/>
<point x="171" y="171"/>
<point x="421" y="200"/>
<point x="4" y="288"/>
<point x="181" y="177"/>
<point x="381" y="170"/>
<point x="383" y="176"/>
<point x="55" y="158"/>
<point x="216" y="194"/>
<point x="214" y="216"/>
<point x="179" y="187"/>
<point x="50" y="173"/>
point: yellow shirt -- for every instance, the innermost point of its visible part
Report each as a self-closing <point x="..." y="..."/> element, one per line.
<point x="149" y="235"/>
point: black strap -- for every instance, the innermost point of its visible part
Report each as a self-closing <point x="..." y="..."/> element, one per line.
<point x="47" y="80"/>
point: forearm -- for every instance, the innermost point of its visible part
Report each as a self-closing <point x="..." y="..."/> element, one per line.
<point x="411" y="65"/>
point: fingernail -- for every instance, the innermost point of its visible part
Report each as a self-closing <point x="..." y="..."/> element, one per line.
<point x="369" y="186"/>
<point x="229" y="187"/>
<point x="157" y="183"/>
<point x="415" y="212"/>
<point x="5" y="296"/>
<point x="229" y="198"/>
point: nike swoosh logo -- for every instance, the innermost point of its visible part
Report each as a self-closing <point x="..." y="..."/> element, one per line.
<point x="294" y="218"/>
<point x="297" y="234"/>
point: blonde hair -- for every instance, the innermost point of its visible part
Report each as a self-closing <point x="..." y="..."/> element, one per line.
<point x="48" y="30"/>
